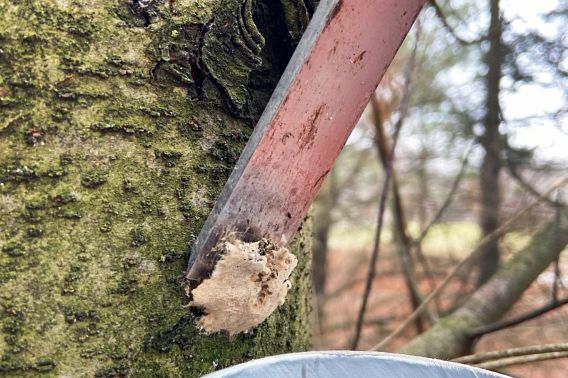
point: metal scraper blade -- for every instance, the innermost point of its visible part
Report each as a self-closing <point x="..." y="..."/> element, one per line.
<point x="343" y="54"/>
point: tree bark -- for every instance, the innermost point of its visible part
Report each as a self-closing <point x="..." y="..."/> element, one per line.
<point x="451" y="337"/>
<point x="490" y="194"/>
<point x="119" y="124"/>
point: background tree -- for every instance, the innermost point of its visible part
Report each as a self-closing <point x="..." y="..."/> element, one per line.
<point x="516" y="56"/>
<point x="488" y="75"/>
<point x="490" y="140"/>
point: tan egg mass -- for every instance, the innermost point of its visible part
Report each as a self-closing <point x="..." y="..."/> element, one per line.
<point x="249" y="282"/>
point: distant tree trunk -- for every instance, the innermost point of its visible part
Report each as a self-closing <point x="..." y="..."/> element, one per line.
<point x="451" y="336"/>
<point x="423" y="187"/>
<point x="319" y="261"/>
<point x="323" y="220"/>
<point x="490" y="194"/>
<point x="119" y="123"/>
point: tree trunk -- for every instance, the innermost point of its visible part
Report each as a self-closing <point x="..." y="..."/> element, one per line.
<point x="491" y="143"/>
<point x="323" y="220"/>
<point x="423" y="186"/>
<point x="119" y="124"/>
<point x="451" y="337"/>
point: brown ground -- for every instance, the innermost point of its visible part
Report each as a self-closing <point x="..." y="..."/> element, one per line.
<point x="388" y="306"/>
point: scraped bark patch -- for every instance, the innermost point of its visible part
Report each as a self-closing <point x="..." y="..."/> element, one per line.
<point x="249" y="282"/>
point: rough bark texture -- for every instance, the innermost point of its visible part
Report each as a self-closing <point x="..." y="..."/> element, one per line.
<point x="119" y="123"/>
<point x="450" y="338"/>
<point x="491" y="142"/>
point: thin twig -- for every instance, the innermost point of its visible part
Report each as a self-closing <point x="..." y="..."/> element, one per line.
<point x="403" y="239"/>
<point x="488" y="238"/>
<point x="450" y="29"/>
<point x="356" y="281"/>
<point x="512" y="352"/>
<point x="384" y="195"/>
<point x="528" y="187"/>
<point x="379" y="321"/>
<point x="499" y="364"/>
<point x="349" y="285"/>
<point x="449" y="198"/>
<point x="557" y="272"/>
<point x="351" y="177"/>
<point x="429" y="273"/>
<point x="557" y="276"/>
<point x="374" y="257"/>
<point x="497" y="326"/>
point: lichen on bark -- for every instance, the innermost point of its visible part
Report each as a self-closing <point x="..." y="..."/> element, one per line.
<point x="115" y="139"/>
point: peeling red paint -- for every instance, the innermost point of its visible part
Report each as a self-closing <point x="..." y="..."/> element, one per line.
<point x="309" y="129"/>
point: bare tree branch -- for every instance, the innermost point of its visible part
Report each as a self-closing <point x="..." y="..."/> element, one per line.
<point x="350" y="284"/>
<point x="379" y="321"/>
<point x="499" y="364"/>
<point x="528" y="187"/>
<point x="557" y="272"/>
<point x="497" y="326"/>
<point x="450" y="29"/>
<point x="449" y="338"/>
<point x="449" y="198"/>
<point x="496" y="234"/>
<point x="429" y="273"/>
<point x="385" y="190"/>
<point x="374" y="255"/>
<point x="513" y="352"/>
<point x="556" y="284"/>
<point x="403" y="238"/>
<point x="557" y="245"/>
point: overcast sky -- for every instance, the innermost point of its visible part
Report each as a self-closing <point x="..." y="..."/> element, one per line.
<point x="551" y="140"/>
<point x="521" y="108"/>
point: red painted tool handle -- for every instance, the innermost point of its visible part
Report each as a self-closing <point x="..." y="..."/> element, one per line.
<point x="339" y="62"/>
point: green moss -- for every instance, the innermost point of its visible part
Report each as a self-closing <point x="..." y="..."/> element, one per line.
<point x="93" y="179"/>
<point x="127" y="128"/>
<point x="284" y="331"/>
<point x="108" y="169"/>
<point x="295" y="17"/>
<point x="230" y="50"/>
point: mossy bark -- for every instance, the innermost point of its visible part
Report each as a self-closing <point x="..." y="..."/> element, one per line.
<point x="119" y="123"/>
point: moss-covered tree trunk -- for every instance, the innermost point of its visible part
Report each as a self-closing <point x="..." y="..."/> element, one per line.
<point x="119" y="124"/>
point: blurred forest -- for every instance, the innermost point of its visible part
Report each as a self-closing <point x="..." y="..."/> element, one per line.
<point x="449" y="198"/>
